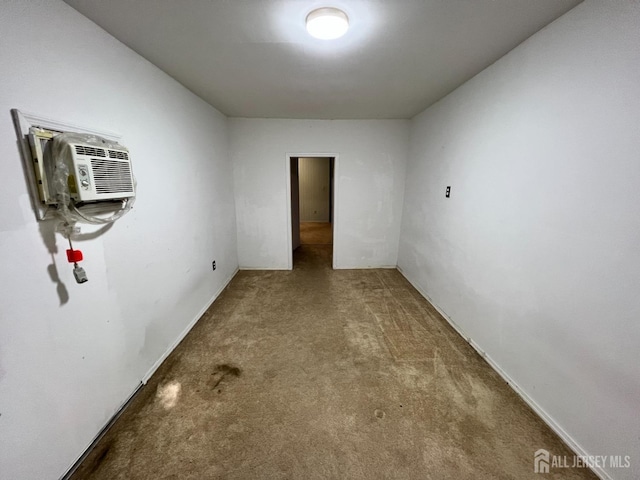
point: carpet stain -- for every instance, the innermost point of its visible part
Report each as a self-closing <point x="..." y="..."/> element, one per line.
<point x="221" y="373"/>
<point x="317" y="373"/>
<point x="98" y="457"/>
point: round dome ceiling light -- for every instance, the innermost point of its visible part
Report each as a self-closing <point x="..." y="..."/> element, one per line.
<point x="327" y="23"/>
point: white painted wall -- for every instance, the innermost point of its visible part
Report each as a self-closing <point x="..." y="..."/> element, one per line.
<point x="66" y="368"/>
<point x="536" y="254"/>
<point x="315" y="186"/>
<point x="369" y="176"/>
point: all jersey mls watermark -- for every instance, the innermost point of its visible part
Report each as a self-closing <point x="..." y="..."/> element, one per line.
<point x="543" y="461"/>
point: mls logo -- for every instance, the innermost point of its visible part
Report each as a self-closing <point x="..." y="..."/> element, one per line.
<point x="541" y="461"/>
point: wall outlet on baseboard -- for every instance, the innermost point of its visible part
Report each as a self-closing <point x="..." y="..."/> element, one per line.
<point x="213" y="264"/>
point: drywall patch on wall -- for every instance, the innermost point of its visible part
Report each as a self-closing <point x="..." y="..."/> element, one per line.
<point x="535" y="254"/>
<point x="369" y="181"/>
<point x="72" y="354"/>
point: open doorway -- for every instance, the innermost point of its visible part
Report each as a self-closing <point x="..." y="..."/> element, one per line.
<point x="312" y="202"/>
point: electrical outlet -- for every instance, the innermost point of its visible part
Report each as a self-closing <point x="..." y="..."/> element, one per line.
<point x="213" y="264"/>
<point x="448" y="192"/>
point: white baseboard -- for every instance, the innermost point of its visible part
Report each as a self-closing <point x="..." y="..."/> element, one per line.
<point x="78" y="461"/>
<point x="188" y="328"/>
<point x="546" y="418"/>
<point x="274" y="269"/>
<point x="341" y="267"/>
<point x="146" y="378"/>
<point x="366" y="267"/>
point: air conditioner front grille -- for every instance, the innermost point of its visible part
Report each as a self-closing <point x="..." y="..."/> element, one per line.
<point x="118" y="154"/>
<point x="90" y="151"/>
<point x="111" y="176"/>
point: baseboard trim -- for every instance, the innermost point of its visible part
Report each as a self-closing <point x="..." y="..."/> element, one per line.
<point x="270" y="269"/>
<point x="145" y="379"/>
<point x="359" y="267"/>
<point x="187" y="329"/>
<point x="102" y="433"/>
<point x="546" y="418"/>
<point x="354" y="267"/>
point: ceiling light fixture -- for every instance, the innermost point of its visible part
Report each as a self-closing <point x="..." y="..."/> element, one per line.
<point x="327" y="23"/>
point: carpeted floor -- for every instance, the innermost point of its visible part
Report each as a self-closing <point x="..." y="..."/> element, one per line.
<point x="316" y="233"/>
<point x="322" y="374"/>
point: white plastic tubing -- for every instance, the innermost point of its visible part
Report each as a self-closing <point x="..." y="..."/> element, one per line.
<point x="68" y="211"/>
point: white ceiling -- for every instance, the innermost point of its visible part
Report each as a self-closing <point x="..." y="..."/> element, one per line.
<point x="253" y="58"/>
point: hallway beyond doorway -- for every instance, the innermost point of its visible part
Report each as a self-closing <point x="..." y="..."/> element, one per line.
<point x="316" y="233"/>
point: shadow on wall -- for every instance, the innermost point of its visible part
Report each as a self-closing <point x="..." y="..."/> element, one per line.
<point x="48" y="229"/>
<point x="48" y="232"/>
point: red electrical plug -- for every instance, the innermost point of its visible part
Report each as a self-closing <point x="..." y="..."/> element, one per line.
<point x="74" y="256"/>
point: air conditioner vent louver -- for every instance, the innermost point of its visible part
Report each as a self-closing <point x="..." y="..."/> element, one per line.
<point x="90" y="151"/>
<point x="111" y="176"/>
<point x="118" y="154"/>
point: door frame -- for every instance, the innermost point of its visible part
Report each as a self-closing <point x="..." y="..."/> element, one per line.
<point x="336" y="211"/>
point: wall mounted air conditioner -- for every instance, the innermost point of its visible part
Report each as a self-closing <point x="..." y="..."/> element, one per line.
<point x="96" y="176"/>
<point x="97" y="173"/>
<point x="76" y="176"/>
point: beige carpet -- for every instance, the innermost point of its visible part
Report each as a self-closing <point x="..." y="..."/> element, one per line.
<point x="322" y="374"/>
<point x="316" y="233"/>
